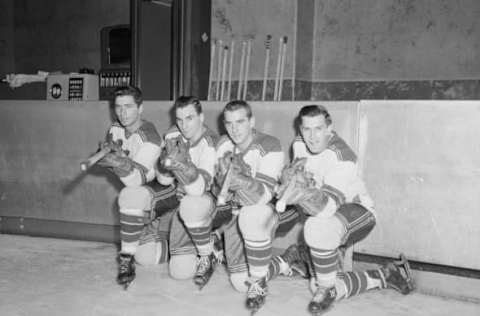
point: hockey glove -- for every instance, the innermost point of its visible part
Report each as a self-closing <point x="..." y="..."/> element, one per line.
<point x="247" y="190"/>
<point x="178" y="161"/>
<point x="118" y="162"/>
<point x="297" y="187"/>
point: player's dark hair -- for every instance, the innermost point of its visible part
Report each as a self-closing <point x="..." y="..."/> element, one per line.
<point x="184" y="101"/>
<point x="315" y="110"/>
<point x="237" y="105"/>
<point x="135" y="92"/>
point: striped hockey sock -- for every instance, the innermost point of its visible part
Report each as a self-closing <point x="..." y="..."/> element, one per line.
<point x="259" y="254"/>
<point x="325" y="264"/>
<point x="355" y="283"/>
<point x="131" y="228"/>
<point x="202" y="240"/>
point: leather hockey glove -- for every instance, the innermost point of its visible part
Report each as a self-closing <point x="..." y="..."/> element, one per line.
<point x="116" y="160"/>
<point x="247" y="190"/>
<point x="178" y="161"/>
<point x="297" y="187"/>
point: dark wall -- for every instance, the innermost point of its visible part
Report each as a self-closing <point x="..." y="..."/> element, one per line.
<point x="53" y="35"/>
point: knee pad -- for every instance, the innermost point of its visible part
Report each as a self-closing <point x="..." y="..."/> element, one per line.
<point x="135" y="198"/>
<point x="256" y="221"/>
<point x="323" y="233"/>
<point x="196" y="210"/>
<point x="238" y="280"/>
<point x="182" y="267"/>
<point x="151" y="253"/>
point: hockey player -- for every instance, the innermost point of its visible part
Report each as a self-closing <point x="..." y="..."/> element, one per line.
<point x="251" y="162"/>
<point x="328" y="189"/>
<point x="189" y="164"/>
<point x="136" y="147"/>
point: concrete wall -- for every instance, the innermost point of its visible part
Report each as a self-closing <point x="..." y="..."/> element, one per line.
<point x="396" y="40"/>
<point x="419" y="160"/>
<point x="354" y="50"/>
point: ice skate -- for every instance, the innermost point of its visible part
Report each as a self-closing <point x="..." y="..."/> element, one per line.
<point x="395" y="275"/>
<point x="256" y="295"/>
<point x="206" y="267"/>
<point x="322" y="300"/>
<point x="126" y="270"/>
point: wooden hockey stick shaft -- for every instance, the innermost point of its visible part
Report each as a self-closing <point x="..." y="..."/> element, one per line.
<point x="93" y="159"/>
<point x="224" y="73"/>
<point x="222" y="196"/>
<point x="265" y="68"/>
<point x="240" y="76"/>
<point x="247" y="68"/>
<point x="277" y="74"/>
<point x="282" y="68"/>
<point x="219" y="70"/>
<point x="281" y="204"/>
<point x="212" y="66"/>
<point x="230" y="69"/>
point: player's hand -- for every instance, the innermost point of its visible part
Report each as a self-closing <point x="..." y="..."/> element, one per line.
<point x="175" y="155"/>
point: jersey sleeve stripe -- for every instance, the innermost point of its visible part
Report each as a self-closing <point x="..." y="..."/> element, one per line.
<point x="142" y="170"/>
<point x="268" y="181"/>
<point x="335" y="194"/>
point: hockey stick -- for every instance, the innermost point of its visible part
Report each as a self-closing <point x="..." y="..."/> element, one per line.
<point x="282" y="68"/>
<point x="281" y="204"/>
<point x="230" y="68"/>
<point x="224" y="72"/>
<point x="222" y="196"/>
<point x="240" y="76"/>
<point x="212" y="66"/>
<point x="265" y="69"/>
<point x="93" y="159"/>
<point x="247" y="67"/>
<point x="219" y="69"/>
<point x="277" y="74"/>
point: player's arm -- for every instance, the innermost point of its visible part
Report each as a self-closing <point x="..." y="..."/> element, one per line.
<point x="339" y="174"/>
<point x="205" y="167"/>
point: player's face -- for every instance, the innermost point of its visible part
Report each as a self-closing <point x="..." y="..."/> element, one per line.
<point x="315" y="133"/>
<point x="189" y="122"/>
<point x="128" y="112"/>
<point x="239" y="127"/>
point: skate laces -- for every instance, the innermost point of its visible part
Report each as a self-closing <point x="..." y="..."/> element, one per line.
<point x="124" y="264"/>
<point x="323" y="292"/>
<point x="203" y="264"/>
<point x="255" y="289"/>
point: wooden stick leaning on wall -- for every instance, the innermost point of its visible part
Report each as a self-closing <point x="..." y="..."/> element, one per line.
<point x="247" y="67"/>
<point x="219" y="69"/>
<point x="282" y="68"/>
<point x="224" y="72"/>
<point x="212" y="66"/>
<point x="230" y="69"/>
<point x="240" y="75"/>
<point x="265" y="68"/>
<point x="277" y="74"/>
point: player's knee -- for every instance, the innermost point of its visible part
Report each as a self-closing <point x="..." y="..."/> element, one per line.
<point x="323" y="233"/>
<point x="238" y="281"/>
<point x="151" y="253"/>
<point x="134" y="198"/>
<point x="256" y="221"/>
<point x="196" y="210"/>
<point x="182" y="267"/>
